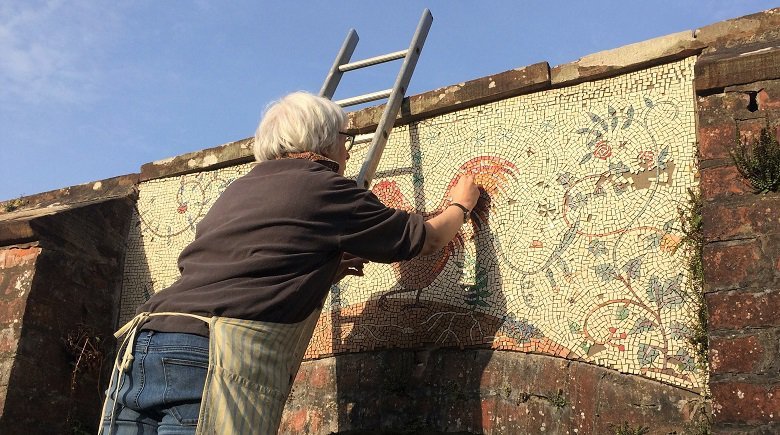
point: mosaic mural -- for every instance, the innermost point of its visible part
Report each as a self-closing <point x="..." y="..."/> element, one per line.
<point x="573" y="250"/>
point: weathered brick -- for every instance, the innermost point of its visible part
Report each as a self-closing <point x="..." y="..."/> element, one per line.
<point x="716" y="141"/>
<point x="718" y="109"/>
<point x="730" y="265"/>
<point x="725" y="222"/>
<point x="12" y="310"/>
<point x="9" y="339"/>
<point x="5" y="370"/>
<point x="769" y="98"/>
<point x="722" y="182"/>
<point x="321" y="377"/>
<point x="742" y="309"/>
<point x="742" y="402"/>
<point x="750" y="129"/>
<point x="737" y="354"/>
<point x="294" y="421"/>
<point x="18" y="256"/>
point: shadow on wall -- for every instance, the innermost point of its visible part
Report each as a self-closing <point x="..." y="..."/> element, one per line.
<point x="137" y="282"/>
<point x="398" y="377"/>
<point x="419" y="388"/>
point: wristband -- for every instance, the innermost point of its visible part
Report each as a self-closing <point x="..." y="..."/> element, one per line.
<point x="466" y="211"/>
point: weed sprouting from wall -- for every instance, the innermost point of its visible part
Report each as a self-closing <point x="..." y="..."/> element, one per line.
<point x="14" y="204"/>
<point x="85" y="347"/>
<point x="759" y="160"/>
<point x="691" y="218"/>
<point x="626" y="429"/>
<point x="558" y="400"/>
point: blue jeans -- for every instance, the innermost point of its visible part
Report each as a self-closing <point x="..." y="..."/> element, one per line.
<point x="161" y="394"/>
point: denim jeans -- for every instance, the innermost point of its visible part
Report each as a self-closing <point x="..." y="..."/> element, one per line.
<point x="162" y="392"/>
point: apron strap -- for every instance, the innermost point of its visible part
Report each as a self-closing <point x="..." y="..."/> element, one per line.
<point x="132" y="327"/>
<point x="130" y="331"/>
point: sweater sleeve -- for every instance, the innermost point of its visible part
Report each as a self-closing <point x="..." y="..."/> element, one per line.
<point x="376" y="232"/>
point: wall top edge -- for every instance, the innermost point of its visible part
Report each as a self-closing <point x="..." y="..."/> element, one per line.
<point x="737" y="66"/>
<point x="68" y="197"/>
<point x="762" y="26"/>
<point x="228" y="154"/>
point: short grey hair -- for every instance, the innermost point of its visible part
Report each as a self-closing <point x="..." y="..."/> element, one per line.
<point x="297" y="123"/>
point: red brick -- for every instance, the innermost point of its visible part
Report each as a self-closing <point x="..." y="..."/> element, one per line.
<point x="729" y="266"/>
<point x="741" y="402"/>
<point x="12" y="310"/>
<point x="488" y="409"/>
<point x="5" y="371"/>
<point x="741" y="309"/>
<point x="17" y="256"/>
<point x="723" y="222"/>
<point x="723" y="181"/>
<point x="315" y="421"/>
<point x="719" y="108"/>
<point x="15" y="283"/>
<point x="736" y="354"/>
<point x="768" y="99"/>
<point x="750" y="129"/>
<point x="9" y="340"/>
<point x="294" y="423"/>
<point x="320" y="377"/>
<point x="715" y="141"/>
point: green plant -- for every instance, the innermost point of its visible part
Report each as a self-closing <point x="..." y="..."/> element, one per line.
<point x="759" y="161"/>
<point x="86" y="349"/>
<point x="14" y="204"/>
<point x="558" y="400"/>
<point x="691" y="218"/>
<point x="700" y="427"/>
<point x="701" y="421"/>
<point x="626" y="429"/>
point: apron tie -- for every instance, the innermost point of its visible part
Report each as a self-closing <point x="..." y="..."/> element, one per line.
<point x="132" y="326"/>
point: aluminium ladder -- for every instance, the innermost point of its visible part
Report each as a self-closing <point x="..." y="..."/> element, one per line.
<point x="394" y="95"/>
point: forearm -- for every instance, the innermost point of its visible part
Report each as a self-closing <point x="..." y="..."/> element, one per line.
<point x="441" y="229"/>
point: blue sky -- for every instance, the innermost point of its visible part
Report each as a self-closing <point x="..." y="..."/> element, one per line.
<point x="94" y="89"/>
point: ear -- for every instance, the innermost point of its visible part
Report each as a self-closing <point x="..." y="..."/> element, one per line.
<point x="331" y="152"/>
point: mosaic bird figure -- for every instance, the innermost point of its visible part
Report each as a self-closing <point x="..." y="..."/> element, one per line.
<point x="491" y="174"/>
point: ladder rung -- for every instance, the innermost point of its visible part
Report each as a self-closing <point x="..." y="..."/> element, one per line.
<point x="364" y="98"/>
<point x="373" y="61"/>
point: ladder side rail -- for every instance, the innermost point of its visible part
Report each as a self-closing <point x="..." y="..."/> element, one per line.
<point x="387" y="121"/>
<point x="334" y="75"/>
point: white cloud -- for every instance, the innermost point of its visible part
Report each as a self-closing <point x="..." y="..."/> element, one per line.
<point x="48" y="50"/>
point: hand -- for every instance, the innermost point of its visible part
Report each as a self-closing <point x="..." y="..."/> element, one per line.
<point x="466" y="192"/>
<point x="350" y="265"/>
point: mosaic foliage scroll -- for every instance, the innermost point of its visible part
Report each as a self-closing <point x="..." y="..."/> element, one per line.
<point x="573" y="251"/>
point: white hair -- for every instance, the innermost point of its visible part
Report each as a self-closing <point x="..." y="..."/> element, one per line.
<point x="297" y="123"/>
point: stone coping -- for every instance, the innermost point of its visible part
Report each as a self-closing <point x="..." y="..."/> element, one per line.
<point x="54" y="201"/>
<point x="737" y="66"/>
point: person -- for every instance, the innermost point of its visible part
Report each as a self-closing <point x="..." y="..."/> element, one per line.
<point x="218" y="350"/>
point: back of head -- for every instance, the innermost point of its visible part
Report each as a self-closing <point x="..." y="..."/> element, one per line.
<point x="298" y="122"/>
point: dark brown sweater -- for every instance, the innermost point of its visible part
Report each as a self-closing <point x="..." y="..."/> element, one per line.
<point x="269" y="248"/>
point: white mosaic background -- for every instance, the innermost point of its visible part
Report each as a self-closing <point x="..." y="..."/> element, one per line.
<point x="580" y="246"/>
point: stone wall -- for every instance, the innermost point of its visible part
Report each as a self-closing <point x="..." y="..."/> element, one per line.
<point x="740" y="90"/>
<point x="17" y="267"/>
<point x="59" y="286"/>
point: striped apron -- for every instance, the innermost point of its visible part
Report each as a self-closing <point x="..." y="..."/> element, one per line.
<point x="252" y="366"/>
